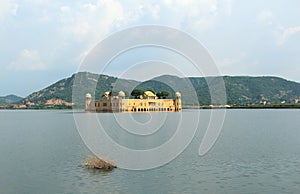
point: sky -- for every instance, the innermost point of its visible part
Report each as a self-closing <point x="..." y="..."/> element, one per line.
<point x="43" y="41"/>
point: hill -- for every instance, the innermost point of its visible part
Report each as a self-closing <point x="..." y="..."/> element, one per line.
<point x="195" y="90"/>
<point x="80" y="84"/>
<point x="244" y="89"/>
<point x="10" y="99"/>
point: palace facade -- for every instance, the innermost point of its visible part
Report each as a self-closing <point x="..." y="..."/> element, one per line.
<point x="146" y="103"/>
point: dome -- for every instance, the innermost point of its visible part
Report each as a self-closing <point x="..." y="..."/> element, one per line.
<point x="106" y="95"/>
<point x="88" y="95"/>
<point x="177" y="95"/>
<point x="121" y="94"/>
<point x="149" y="94"/>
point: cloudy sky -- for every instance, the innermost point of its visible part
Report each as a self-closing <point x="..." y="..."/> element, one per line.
<point x="42" y="41"/>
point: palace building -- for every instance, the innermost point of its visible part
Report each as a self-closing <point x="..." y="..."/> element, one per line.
<point x="148" y="102"/>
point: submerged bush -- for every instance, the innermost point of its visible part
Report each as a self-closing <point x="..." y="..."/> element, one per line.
<point x="98" y="163"/>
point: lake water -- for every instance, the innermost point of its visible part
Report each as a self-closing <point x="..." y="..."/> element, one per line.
<point x="258" y="151"/>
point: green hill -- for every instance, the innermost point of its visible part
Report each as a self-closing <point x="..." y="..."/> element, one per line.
<point x="10" y="99"/>
<point x="195" y="90"/>
<point x="80" y="84"/>
<point x="243" y="89"/>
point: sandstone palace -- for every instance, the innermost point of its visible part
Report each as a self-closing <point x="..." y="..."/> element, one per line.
<point x="148" y="102"/>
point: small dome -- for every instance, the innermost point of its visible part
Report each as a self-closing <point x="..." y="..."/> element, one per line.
<point x="121" y="94"/>
<point x="106" y="95"/>
<point x="88" y="95"/>
<point x="177" y="94"/>
<point x="149" y="94"/>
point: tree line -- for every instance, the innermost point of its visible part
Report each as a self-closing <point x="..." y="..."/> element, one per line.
<point x="136" y="93"/>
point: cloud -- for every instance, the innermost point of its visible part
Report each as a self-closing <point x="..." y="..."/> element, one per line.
<point x="228" y="7"/>
<point x="234" y="65"/>
<point x="65" y="9"/>
<point x="7" y="8"/>
<point x="29" y="60"/>
<point x="153" y="10"/>
<point x="281" y="34"/>
<point x="91" y="21"/>
<point x="287" y="33"/>
<point x="191" y="15"/>
<point x="88" y="23"/>
<point x="83" y="24"/>
<point x="266" y="17"/>
<point x="14" y="9"/>
<point x="37" y="2"/>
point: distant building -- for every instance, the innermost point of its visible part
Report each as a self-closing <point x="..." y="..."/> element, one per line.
<point x="29" y="104"/>
<point x="147" y="103"/>
<point x="52" y="102"/>
<point x="19" y="106"/>
<point x="263" y="102"/>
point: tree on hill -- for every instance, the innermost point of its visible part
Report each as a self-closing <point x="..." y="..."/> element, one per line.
<point x="162" y="94"/>
<point x="136" y="93"/>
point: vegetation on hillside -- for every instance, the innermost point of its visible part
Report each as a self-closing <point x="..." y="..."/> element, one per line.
<point x="195" y="90"/>
<point x="10" y="99"/>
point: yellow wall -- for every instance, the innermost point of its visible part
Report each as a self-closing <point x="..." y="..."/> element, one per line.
<point x="134" y="105"/>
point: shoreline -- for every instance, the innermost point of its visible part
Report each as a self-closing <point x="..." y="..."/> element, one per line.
<point x="255" y="106"/>
<point x="184" y="108"/>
